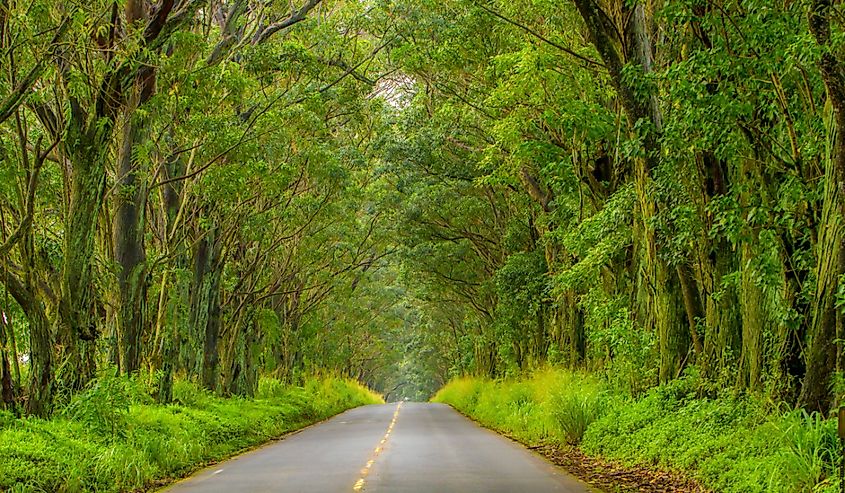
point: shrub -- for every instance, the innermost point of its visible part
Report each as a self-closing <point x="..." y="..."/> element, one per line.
<point x="188" y="393"/>
<point x="269" y="388"/>
<point x="812" y="449"/>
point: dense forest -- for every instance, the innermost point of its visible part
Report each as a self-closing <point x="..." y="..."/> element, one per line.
<point x="640" y="189"/>
<point x="407" y="191"/>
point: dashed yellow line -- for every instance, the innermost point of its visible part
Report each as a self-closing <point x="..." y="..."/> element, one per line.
<point x="359" y="485"/>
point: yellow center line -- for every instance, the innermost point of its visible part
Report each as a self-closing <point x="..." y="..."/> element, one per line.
<point x="359" y="485"/>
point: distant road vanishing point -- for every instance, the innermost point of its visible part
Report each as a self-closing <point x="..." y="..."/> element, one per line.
<point x="395" y="448"/>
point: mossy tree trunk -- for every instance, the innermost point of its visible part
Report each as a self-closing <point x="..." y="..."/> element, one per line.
<point x="129" y="249"/>
<point x="752" y="298"/>
<point x="7" y="384"/>
<point x="827" y="318"/>
<point x="40" y="387"/>
<point x="205" y="300"/>
<point x="88" y="149"/>
<point x="826" y="321"/>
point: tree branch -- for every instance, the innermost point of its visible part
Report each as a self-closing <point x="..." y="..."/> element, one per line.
<point x="539" y="36"/>
<point x="295" y="18"/>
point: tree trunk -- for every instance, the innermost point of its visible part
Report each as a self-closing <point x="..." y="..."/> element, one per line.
<point x="7" y="385"/>
<point x="205" y="304"/>
<point x="129" y="249"/>
<point x="722" y="340"/>
<point x="88" y="152"/>
<point x="659" y="299"/>
<point x="573" y="329"/>
<point x="753" y="316"/>
<point x="169" y="338"/>
<point x="827" y="320"/>
<point x="793" y="333"/>
<point x="130" y="221"/>
<point x="40" y="343"/>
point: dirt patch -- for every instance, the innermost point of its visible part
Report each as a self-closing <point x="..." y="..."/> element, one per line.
<point x="613" y="477"/>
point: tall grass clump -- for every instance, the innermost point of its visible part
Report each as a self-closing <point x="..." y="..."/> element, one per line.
<point x="114" y="438"/>
<point x="730" y="444"/>
<point x="550" y="406"/>
<point x="811" y="451"/>
<point x="575" y="406"/>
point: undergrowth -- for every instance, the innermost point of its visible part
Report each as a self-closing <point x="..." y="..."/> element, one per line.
<point x="114" y="438"/>
<point x="730" y="444"/>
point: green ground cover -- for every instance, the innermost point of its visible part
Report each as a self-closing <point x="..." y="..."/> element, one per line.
<point x="729" y="443"/>
<point x="114" y="438"/>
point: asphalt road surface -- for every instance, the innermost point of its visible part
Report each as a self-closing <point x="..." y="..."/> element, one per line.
<point x="401" y="448"/>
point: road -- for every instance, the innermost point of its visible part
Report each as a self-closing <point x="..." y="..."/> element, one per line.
<point x="395" y="448"/>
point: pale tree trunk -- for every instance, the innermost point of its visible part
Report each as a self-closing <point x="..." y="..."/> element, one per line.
<point x="752" y="298"/>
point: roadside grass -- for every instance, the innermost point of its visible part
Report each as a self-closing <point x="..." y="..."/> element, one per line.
<point x="114" y="438"/>
<point x="730" y="444"/>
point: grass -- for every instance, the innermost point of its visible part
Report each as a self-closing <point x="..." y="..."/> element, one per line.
<point x="113" y="438"/>
<point x="729" y="444"/>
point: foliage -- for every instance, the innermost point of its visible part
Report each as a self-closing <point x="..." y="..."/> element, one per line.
<point x="552" y="405"/>
<point x="634" y="215"/>
<point x="104" y="406"/>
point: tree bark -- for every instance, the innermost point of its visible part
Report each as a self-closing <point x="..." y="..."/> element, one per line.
<point x="88" y="152"/>
<point x="7" y="385"/>
<point x="40" y="344"/>
<point x="129" y="247"/>
<point x="205" y="304"/>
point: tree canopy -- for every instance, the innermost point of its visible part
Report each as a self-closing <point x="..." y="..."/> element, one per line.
<point x="403" y="191"/>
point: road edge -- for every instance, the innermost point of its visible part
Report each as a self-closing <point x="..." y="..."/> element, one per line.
<point x="533" y="449"/>
<point x="163" y="484"/>
<point x="599" y="474"/>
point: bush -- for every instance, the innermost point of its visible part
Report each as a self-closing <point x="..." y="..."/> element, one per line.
<point x="188" y="393"/>
<point x="812" y="451"/>
<point x="549" y="405"/>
